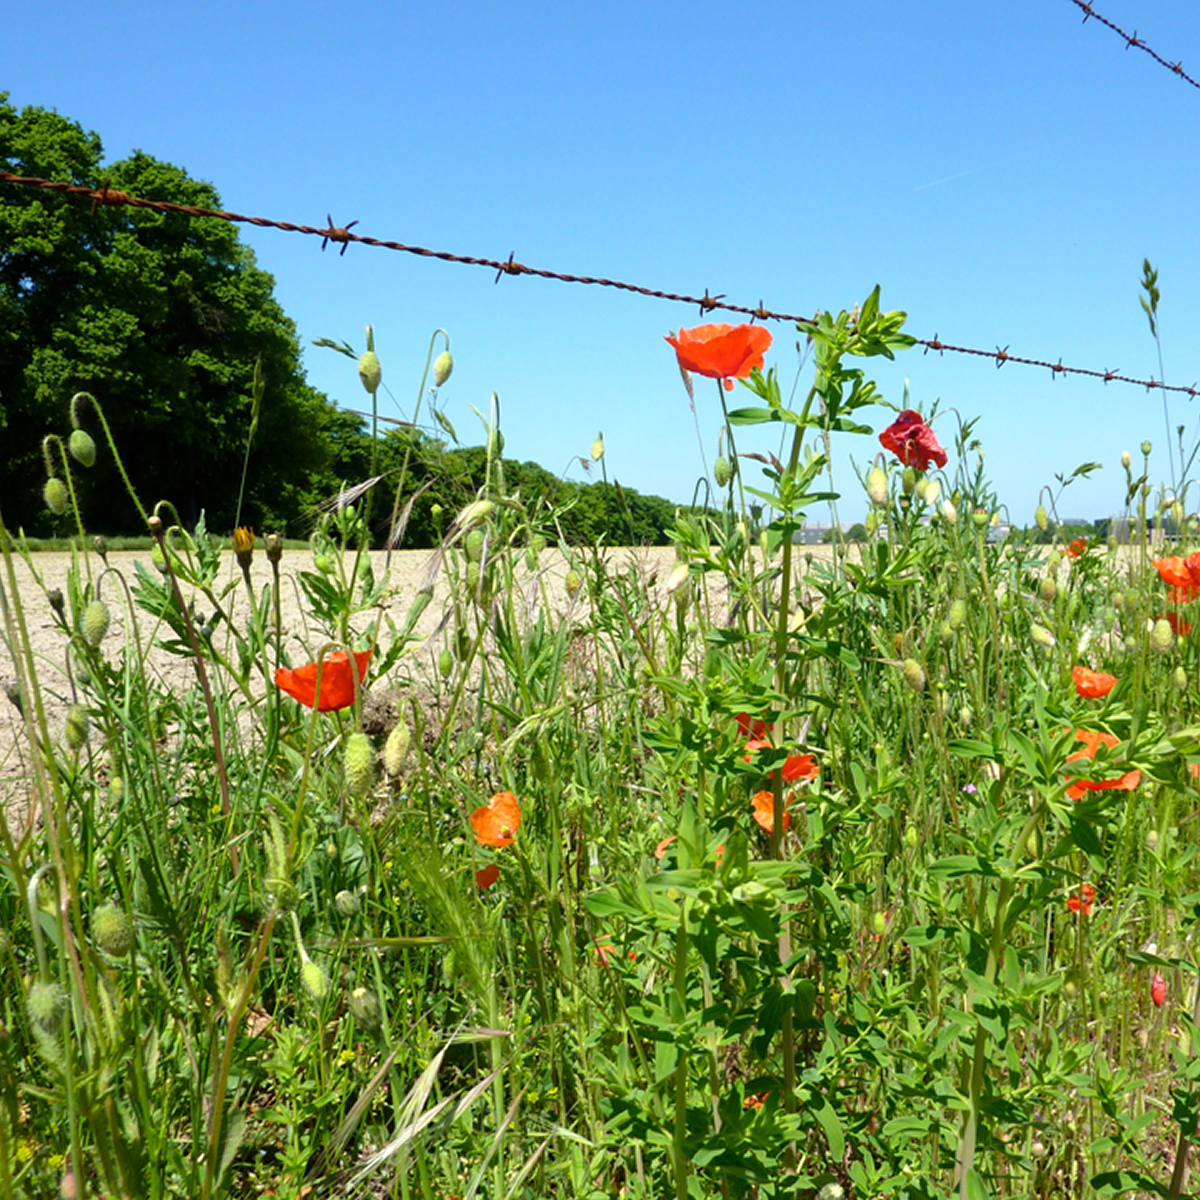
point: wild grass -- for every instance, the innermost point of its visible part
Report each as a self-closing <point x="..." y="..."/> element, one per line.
<point x="253" y="948"/>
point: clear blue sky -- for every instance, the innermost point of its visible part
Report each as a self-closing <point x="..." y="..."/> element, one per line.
<point x="1000" y="169"/>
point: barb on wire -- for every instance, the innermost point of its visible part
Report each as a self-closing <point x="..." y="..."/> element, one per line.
<point x="706" y="303"/>
<point x="1132" y="41"/>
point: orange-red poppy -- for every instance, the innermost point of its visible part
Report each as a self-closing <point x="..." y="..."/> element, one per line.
<point x="338" y="681"/>
<point x="1092" y="685"/>
<point x="912" y="441"/>
<point x="497" y="824"/>
<point x="721" y="351"/>
<point x="1076" y="547"/>
<point x="1180" y="572"/>
<point x="764" y="811"/>
<point x="1083" y="902"/>
<point x="1181" y="628"/>
<point x="1092" y="740"/>
<point x="799" y="767"/>
<point x="660" y="851"/>
<point x="752" y="727"/>
<point x="486" y="876"/>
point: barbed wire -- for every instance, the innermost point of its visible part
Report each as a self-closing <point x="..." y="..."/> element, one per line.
<point x="341" y="235"/>
<point x="1132" y="41"/>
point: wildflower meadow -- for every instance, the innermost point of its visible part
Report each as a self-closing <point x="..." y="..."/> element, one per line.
<point x="750" y="870"/>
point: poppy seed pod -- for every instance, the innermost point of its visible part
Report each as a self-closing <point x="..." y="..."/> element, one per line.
<point x="1162" y="636"/>
<point x="1146" y="448"/>
<point x="877" y="485"/>
<point x="396" y="749"/>
<point x="358" y="763"/>
<point x="82" y="448"/>
<point x="914" y="674"/>
<point x="55" y="496"/>
<point x="75" y="727"/>
<point x="443" y="365"/>
<point x="370" y="371"/>
<point x="113" y="930"/>
<point x="95" y="623"/>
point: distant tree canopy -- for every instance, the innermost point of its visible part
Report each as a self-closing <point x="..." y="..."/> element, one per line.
<point x="162" y="318"/>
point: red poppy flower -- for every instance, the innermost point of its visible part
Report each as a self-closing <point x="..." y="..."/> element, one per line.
<point x="756" y="1102"/>
<point x="1083" y="902"/>
<point x="752" y="727"/>
<point x="660" y="851"/>
<point x="800" y="767"/>
<point x="764" y="811"/>
<point x="1092" y="740"/>
<point x="755" y="744"/>
<point x="1077" y="547"/>
<point x="912" y="441"/>
<point x="338" y="681"/>
<point x="1158" y="990"/>
<point x="603" y="949"/>
<point x="1092" y="684"/>
<point x="497" y="824"/>
<point x="1181" y="628"/>
<point x="486" y="876"/>
<point x="1180" y="572"/>
<point x="721" y="351"/>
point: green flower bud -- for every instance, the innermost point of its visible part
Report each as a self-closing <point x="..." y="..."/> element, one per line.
<point x="347" y="904"/>
<point x="877" y="485"/>
<point x="316" y="982"/>
<point x="358" y="764"/>
<point x="722" y="471"/>
<point x="396" y="749"/>
<point x="462" y="645"/>
<point x="1048" y="589"/>
<point x="1180" y="679"/>
<point x="573" y="583"/>
<point x="598" y="448"/>
<point x="1041" y="518"/>
<point x="474" y="512"/>
<point x="871" y="523"/>
<point x="1125" y="459"/>
<point x="908" y="481"/>
<point x="45" y="1006"/>
<point x="365" y="1009"/>
<point x="677" y="578"/>
<point x="474" y="545"/>
<point x="75" y="728"/>
<point x="958" y="614"/>
<point x="1146" y="448"/>
<point x="370" y="371"/>
<point x="82" y="448"/>
<point x="274" y="544"/>
<point x="95" y="623"/>
<point x="445" y="663"/>
<point x="531" y="559"/>
<point x="964" y="716"/>
<point x="914" y="674"/>
<point x="100" y="545"/>
<point x="912" y="839"/>
<point x="442" y="366"/>
<point x="879" y="923"/>
<point x="946" y="631"/>
<point x="55" y="596"/>
<point x="1041" y="636"/>
<point x="1162" y="636"/>
<point x="113" y="930"/>
<point x="55" y="496"/>
<point x="949" y="512"/>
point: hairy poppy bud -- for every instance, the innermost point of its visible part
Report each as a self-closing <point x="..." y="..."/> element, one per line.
<point x="347" y="904"/>
<point x="45" y="1005"/>
<point x="55" y="596"/>
<point x="442" y="366"/>
<point x="1048" y="589"/>
<point x="75" y="728"/>
<point x="113" y="930"/>
<point x="946" y="631"/>
<point x="358" y="764"/>
<point x="445" y="662"/>
<point x="598" y="448"/>
<point x="82" y="447"/>
<point x="722" y="471"/>
<point x="932" y="491"/>
<point x="370" y="371"/>
<point x="677" y="578"/>
<point x="1125" y="459"/>
<point x="316" y="982"/>
<point x="365" y="1009"/>
<point x="908" y="481"/>
<point x="912" y="839"/>
<point x="949" y="513"/>
<point x="1162" y="636"/>
<point x="572" y="582"/>
<point x="55" y="496"/>
<point x="958" y="614"/>
<point x="474" y="545"/>
<point x="100" y="545"/>
<point x="474" y="512"/>
<point x="396" y="749"/>
<point x="1041" y="636"/>
<point x="1180" y="679"/>
<point x="914" y="674"/>
<point x="95" y="622"/>
<point x="877" y="485"/>
<point x="871" y="523"/>
<point x="1041" y="518"/>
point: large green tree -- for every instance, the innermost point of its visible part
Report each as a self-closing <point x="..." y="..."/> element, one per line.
<point x="162" y="318"/>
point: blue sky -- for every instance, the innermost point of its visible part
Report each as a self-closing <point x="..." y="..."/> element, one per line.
<point x="1001" y="170"/>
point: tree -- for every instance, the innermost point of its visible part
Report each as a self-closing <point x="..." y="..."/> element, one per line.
<point x="162" y="318"/>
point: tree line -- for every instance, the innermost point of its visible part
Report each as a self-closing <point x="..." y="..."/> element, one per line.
<point x="163" y="319"/>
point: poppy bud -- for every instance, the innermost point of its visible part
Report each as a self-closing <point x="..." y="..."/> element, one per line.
<point x="370" y="371"/>
<point x="908" y="481"/>
<point x="1158" y="990"/>
<point x="877" y="485"/>
<point x="365" y="1009"/>
<point x="474" y="545"/>
<point x="598" y="448"/>
<point x="95" y="622"/>
<point x="462" y="645"/>
<point x="722" y="471"/>
<point x="1048" y="589"/>
<point x="980" y="517"/>
<point x="442" y="366"/>
<point x="1041" y="518"/>
<point x="82" y="447"/>
<point x="316" y="982"/>
<point x="964" y="716"/>
<point x="933" y="490"/>
<point x="879" y="923"/>
<point x="347" y="904"/>
<point x="914" y="674"/>
<point x="1041" y="636"/>
<point x="912" y="839"/>
<point x="1162" y="636"/>
<point x="358" y="764"/>
<point x="113" y="930"/>
<point x="55" y="496"/>
<point x="1152" y="840"/>
<point x="946" y="631"/>
<point x="677" y="578"/>
<point x="75" y="728"/>
<point x="45" y="1005"/>
<point x="949" y="513"/>
<point x="396" y="749"/>
<point x="1125" y="459"/>
<point x="1180" y="679"/>
<point x="572" y="582"/>
<point x="445" y="662"/>
<point x="958" y="614"/>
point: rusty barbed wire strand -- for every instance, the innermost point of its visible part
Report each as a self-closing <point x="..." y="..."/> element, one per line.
<point x="1133" y="41"/>
<point x="340" y="234"/>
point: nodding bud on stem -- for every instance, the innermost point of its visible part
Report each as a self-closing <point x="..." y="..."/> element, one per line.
<point x="82" y="447"/>
<point x="370" y="371"/>
<point x="598" y="448"/>
<point x="877" y="485"/>
<point x="1162" y="636"/>
<point x="55" y="496"/>
<point x="914" y="674"/>
<point x="274" y="544"/>
<point x="443" y="365"/>
<point x="1125" y="459"/>
<point x="396" y="749"/>
<point x="1041" y="518"/>
<point x="95" y="623"/>
<point x="155" y="525"/>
